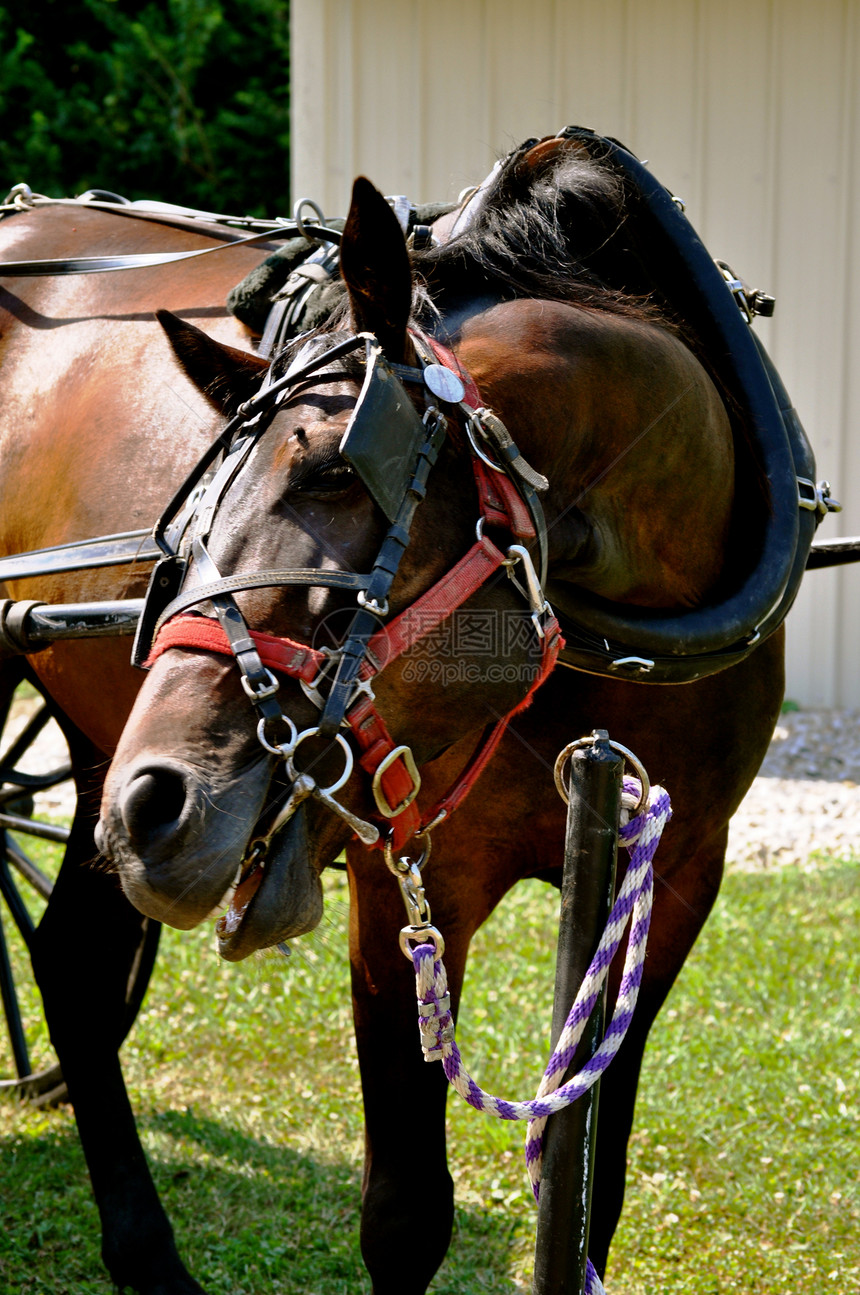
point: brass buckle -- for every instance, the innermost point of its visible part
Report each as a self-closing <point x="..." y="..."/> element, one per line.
<point x="386" y="810"/>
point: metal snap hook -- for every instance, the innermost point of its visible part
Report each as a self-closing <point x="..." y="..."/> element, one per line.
<point x="400" y="867"/>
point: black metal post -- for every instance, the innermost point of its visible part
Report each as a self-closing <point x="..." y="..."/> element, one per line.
<point x="587" y="893"/>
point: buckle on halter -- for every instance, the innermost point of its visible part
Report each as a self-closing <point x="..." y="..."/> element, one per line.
<point x="257" y="690"/>
<point x="385" y="809"/>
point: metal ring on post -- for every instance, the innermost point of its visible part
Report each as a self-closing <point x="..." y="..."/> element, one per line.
<point x="564" y="756"/>
<point x="348" y="759"/>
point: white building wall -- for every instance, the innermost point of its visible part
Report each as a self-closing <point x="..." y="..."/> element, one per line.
<point x="747" y="109"/>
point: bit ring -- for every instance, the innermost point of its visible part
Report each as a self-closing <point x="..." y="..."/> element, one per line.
<point x="348" y="759"/>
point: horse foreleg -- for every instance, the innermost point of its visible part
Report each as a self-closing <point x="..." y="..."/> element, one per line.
<point x="92" y="954"/>
<point x="408" y="1193"/>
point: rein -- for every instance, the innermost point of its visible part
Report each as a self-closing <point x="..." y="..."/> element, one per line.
<point x="340" y="683"/>
<point x="21" y="198"/>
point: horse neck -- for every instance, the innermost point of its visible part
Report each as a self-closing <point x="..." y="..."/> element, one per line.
<point x="632" y="436"/>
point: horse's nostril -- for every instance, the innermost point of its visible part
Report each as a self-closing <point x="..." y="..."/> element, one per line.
<point x="153" y="800"/>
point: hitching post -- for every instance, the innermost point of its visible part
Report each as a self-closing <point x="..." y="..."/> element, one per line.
<point x="587" y="892"/>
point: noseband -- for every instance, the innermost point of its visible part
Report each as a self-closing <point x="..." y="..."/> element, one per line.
<point x="393" y="449"/>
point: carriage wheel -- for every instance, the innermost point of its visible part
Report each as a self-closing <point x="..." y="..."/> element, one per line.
<point x="25" y="886"/>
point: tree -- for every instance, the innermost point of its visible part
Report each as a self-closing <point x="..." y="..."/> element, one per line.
<point x="183" y="100"/>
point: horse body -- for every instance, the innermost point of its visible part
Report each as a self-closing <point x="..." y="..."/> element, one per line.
<point x="95" y="414"/>
<point x="620" y="417"/>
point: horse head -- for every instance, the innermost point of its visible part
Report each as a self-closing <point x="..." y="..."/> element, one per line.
<point x="280" y="665"/>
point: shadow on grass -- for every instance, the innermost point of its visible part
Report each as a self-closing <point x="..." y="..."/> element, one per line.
<point x="251" y="1217"/>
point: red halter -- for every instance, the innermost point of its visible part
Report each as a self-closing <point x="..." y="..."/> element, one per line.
<point x="395" y="779"/>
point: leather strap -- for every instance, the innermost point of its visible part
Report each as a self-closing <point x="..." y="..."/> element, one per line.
<point x="307" y="576"/>
<point x="203" y="634"/>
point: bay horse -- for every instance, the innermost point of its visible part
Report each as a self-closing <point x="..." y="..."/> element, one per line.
<point x="206" y="798"/>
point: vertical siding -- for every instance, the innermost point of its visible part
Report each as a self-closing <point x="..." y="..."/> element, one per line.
<point x="748" y="110"/>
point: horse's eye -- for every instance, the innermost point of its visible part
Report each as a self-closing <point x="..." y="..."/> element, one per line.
<point x="326" y="479"/>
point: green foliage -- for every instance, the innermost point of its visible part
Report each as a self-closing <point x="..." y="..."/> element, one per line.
<point x="743" y="1169"/>
<point x="182" y="100"/>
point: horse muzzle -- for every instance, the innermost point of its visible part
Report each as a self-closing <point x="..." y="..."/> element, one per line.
<point x="175" y="839"/>
<point x="181" y="848"/>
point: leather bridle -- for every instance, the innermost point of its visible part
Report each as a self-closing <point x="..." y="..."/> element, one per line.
<point x="340" y="682"/>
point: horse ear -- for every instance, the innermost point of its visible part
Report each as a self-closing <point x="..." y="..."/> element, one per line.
<point x="225" y="375"/>
<point x="374" y="265"/>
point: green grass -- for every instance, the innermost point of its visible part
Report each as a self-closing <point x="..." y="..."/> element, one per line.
<point x="743" y="1168"/>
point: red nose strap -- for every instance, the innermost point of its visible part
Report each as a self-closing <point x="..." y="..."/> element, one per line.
<point x="395" y="784"/>
<point x="202" y="634"/>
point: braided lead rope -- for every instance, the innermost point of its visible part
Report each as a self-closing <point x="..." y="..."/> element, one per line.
<point x="640" y="836"/>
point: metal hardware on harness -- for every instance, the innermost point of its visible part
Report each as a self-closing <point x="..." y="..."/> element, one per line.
<point x="597" y="736"/>
<point x="312" y="689"/>
<point x="385" y="809"/>
<point x="20" y="196"/>
<point x="444" y="383"/>
<point x="533" y="592"/>
<point x="347" y="760"/>
<point x="304" y="787"/>
<point x="371" y="605"/>
<point x="283" y="750"/>
<point x="408" y="873"/>
<point x="472" y="422"/>
<point x="641" y="664"/>
<point x="815" y="497"/>
<point x="737" y="288"/>
<point x="750" y="302"/>
<point x="299" y="207"/>
<point x="258" y="691"/>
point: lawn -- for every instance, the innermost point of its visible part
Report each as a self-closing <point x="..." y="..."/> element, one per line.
<point x="743" y="1167"/>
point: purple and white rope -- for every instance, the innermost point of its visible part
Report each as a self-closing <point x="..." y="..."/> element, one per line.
<point x="640" y="836"/>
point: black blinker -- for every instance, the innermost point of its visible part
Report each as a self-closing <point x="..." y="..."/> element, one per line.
<point x="384" y="435"/>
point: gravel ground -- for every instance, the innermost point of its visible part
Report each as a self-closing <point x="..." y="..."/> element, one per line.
<point x="803" y="807"/>
<point x="806" y="799"/>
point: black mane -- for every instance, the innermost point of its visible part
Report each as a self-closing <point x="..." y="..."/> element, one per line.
<point x="556" y="230"/>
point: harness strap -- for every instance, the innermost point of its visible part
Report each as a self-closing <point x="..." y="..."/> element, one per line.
<point x="203" y="634"/>
<point x="501" y="502"/>
<point x="306" y="576"/>
<point x="433" y="607"/>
